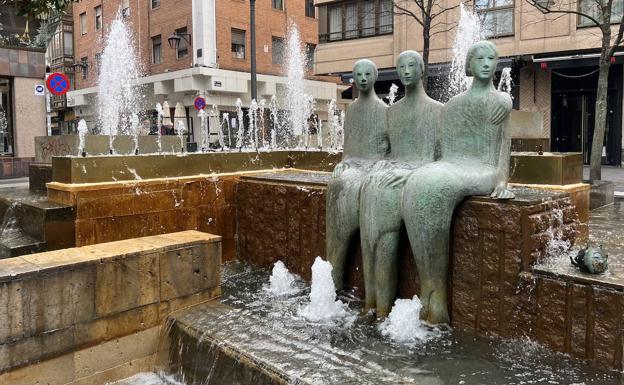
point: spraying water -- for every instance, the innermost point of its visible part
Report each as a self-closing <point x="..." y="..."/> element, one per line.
<point x="505" y="81"/>
<point x="297" y="101"/>
<point x="204" y="137"/>
<point x="281" y="282"/>
<point x="226" y="121"/>
<point x="468" y="32"/>
<point x="392" y="94"/>
<point x="403" y="325"/>
<point x="134" y="131"/>
<point x="179" y="128"/>
<point x="159" y="121"/>
<point x="119" y="70"/>
<point x="275" y="119"/>
<point x="240" y="132"/>
<point x="261" y="107"/>
<point x="253" y="123"/>
<point x="323" y="306"/>
<point x="82" y="133"/>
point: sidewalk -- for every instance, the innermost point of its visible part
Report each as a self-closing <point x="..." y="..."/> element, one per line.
<point x="612" y="174"/>
<point x="13" y="183"/>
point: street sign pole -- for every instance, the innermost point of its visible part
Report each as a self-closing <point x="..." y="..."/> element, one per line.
<point x="48" y="108"/>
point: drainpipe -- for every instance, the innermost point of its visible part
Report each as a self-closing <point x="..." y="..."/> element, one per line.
<point x="252" y="22"/>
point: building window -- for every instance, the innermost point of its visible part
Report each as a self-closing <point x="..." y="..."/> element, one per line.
<point x="68" y="43"/>
<point x="6" y="126"/>
<point x="183" y="46"/>
<point x="156" y="50"/>
<point x="85" y="67"/>
<point x="155" y="4"/>
<point x="125" y="8"/>
<point x="309" y="8"/>
<point x="497" y="17"/>
<point x="310" y="48"/>
<point x="238" y="43"/>
<point x="98" y="17"/>
<point x="590" y="8"/>
<point x="278" y="4"/>
<point x="278" y="50"/>
<point x="356" y="19"/>
<point x="83" y="23"/>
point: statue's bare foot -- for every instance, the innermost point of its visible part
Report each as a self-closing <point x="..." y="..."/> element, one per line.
<point x="368" y="308"/>
<point x="382" y="312"/>
<point x="438" y="309"/>
<point x="425" y="295"/>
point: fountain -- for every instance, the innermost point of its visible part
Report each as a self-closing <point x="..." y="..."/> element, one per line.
<point x="117" y="94"/>
<point x="469" y="31"/>
<point x="180" y="129"/>
<point x="298" y="102"/>
<point x="82" y="132"/>
<point x="159" y="120"/>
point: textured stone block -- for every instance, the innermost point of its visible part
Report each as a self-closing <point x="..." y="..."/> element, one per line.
<point x="127" y="283"/>
<point x="187" y="271"/>
<point x="551" y="322"/>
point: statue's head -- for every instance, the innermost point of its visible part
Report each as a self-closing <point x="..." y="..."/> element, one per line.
<point x="365" y="74"/>
<point x="410" y="67"/>
<point x="481" y="60"/>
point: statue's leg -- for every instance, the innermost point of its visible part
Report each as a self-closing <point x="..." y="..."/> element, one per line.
<point x="341" y="223"/>
<point x="368" y="201"/>
<point x="429" y="198"/>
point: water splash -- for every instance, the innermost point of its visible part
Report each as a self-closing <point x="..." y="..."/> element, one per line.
<point x="180" y="128"/>
<point x="275" y="120"/>
<point x="403" y="325"/>
<point x="298" y="102"/>
<point x="159" y="120"/>
<point x="203" y="130"/>
<point x="392" y="94"/>
<point x="226" y="121"/>
<point x="240" y="129"/>
<point x="468" y="32"/>
<point x="83" y="130"/>
<point x="505" y="83"/>
<point x="253" y="123"/>
<point x="281" y="282"/>
<point x="134" y="131"/>
<point x="323" y="306"/>
<point x="119" y="69"/>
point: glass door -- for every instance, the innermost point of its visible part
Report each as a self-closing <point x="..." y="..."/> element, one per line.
<point x="6" y="125"/>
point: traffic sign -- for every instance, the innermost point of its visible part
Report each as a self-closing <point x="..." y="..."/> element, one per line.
<point x="39" y="90"/>
<point x="200" y="103"/>
<point x="58" y="83"/>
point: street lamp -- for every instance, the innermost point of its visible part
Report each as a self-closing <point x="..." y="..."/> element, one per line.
<point x="175" y="38"/>
<point x="252" y="22"/>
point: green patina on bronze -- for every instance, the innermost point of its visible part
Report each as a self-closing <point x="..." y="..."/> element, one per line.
<point x="412" y="127"/>
<point x="366" y="142"/>
<point x="475" y="161"/>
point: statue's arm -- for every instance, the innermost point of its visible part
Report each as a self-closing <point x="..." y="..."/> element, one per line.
<point x="501" y="191"/>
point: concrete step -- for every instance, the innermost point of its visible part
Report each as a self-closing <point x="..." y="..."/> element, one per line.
<point x="14" y="243"/>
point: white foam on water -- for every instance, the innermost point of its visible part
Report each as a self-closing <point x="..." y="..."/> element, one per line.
<point x="403" y="325"/>
<point x="323" y="306"/>
<point x="83" y="130"/>
<point x="282" y="281"/>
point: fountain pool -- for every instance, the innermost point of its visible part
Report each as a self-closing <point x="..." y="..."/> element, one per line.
<point x="269" y="330"/>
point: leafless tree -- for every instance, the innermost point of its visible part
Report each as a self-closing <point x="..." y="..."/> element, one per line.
<point x="597" y="13"/>
<point x="429" y="15"/>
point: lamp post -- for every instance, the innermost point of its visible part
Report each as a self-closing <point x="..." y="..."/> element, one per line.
<point x="252" y="22"/>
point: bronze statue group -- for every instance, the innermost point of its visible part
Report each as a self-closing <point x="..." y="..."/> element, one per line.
<point x="412" y="163"/>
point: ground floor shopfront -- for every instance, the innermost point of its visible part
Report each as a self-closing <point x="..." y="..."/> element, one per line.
<point x="22" y="108"/>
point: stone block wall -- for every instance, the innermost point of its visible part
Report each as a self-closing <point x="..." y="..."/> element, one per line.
<point x="59" y="303"/>
<point x="14" y="167"/>
<point x="495" y="284"/>
<point x="114" y="211"/>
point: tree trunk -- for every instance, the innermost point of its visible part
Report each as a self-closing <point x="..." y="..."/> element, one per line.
<point x="600" y="118"/>
<point x="425" y="55"/>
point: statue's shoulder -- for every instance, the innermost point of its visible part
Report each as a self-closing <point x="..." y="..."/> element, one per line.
<point x="502" y="99"/>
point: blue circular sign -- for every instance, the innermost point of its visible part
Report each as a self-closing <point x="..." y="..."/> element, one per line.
<point x="200" y="103"/>
<point x="58" y="83"/>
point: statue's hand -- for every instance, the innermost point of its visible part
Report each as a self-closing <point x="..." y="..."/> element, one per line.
<point x="339" y="169"/>
<point x="502" y="192"/>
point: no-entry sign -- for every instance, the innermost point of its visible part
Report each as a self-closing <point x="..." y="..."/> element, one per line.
<point x="200" y="103"/>
<point x="58" y="83"/>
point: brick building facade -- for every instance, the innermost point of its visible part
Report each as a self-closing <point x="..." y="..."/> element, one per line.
<point x="216" y="63"/>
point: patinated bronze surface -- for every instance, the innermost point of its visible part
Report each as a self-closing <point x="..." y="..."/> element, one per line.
<point x="412" y="124"/>
<point x="365" y="143"/>
<point x="475" y="161"/>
